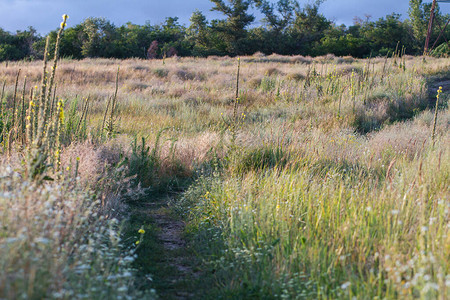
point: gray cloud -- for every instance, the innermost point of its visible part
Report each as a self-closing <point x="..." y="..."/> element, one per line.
<point x="45" y="15"/>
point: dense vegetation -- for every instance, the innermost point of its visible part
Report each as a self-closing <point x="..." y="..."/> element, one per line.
<point x="264" y="177"/>
<point x="320" y="177"/>
<point x="288" y="28"/>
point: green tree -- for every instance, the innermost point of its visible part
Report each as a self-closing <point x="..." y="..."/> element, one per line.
<point x="418" y="19"/>
<point x="19" y="45"/>
<point x="342" y="41"/>
<point x="386" y="32"/>
<point x="308" y="29"/>
<point x="98" y="38"/>
<point x="197" y="33"/>
<point x="9" y="52"/>
<point x="71" y="42"/>
<point x="233" y="29"/>
<point x="280" y="15"/>
<point x="198" y="29"/>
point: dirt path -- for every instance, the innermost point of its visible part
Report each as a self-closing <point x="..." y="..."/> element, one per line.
<point x="445" y="84"/>
<point x="172" y="264"/>
<point x="438" y="81"/>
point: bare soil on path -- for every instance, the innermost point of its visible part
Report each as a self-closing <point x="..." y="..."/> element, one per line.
<point x="165" y="254"/>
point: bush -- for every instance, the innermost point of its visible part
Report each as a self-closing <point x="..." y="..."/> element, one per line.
<point x="161" y="73"/>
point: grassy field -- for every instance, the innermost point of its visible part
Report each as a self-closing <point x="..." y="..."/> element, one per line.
<point x="305" y="178"/>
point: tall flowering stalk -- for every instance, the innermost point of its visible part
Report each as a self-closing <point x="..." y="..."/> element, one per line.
<point x="46" y="95"/>
<point x="45" y="135"/>
<point x="236" y="103"/>
<point x="439" y="92"/>
<point x="14" y="111"/>
<point x="41" y="99"/>
<point x="353" y="89"/>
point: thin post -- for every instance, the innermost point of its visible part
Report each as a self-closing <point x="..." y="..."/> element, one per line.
<point x="430" y="27"/>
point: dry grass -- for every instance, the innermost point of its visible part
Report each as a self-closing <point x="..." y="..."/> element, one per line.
<point x="320" y="130"/>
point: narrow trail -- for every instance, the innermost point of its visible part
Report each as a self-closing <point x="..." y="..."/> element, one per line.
<point x="436" y="82"/>
<point x="171" y="263"/>
<point x="445" y="84"/>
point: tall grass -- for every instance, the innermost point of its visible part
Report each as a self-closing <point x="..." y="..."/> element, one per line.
<point x="332" y="190"/>
<point x="289" y="232"/>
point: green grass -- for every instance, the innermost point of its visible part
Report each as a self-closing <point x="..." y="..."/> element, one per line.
<point x="330" y="234"/>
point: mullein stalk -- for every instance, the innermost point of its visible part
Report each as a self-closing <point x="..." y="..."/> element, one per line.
<point x="22" y="114"/>
<point x="46" y="100"/>
<point x="52" y="137"/>
<point x="39" y="122"/>
<point x="396" y="54"/>
<point x="236" y="103"/>
<point x="384" y="67"/>
<point x="60" y="122"/>
<point x="4" y="132"/>
<point x="30" y="119"/>
<point x="106" y="114"/>
<point x="433" y="135"/>
<point x="3" y="89"/>
<point x="113" y="103"/>
<point x="47" y="105"/>
<point x="35" y="114"/>
<point x="83" y="115"/>
<point x="10" y="141"/>
<point x="77" y="166"/>
<point x="2" y="118"/>
<point x="48" y="133"/>
<point x="1" y="98"/>
<point x="52" y="108"/>
<point x="340" y="101"/>
<point x="352" y="90"/>
<point x="14" y="112"/>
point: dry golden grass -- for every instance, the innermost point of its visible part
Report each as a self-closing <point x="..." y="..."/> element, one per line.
<point x="344" y="127"/>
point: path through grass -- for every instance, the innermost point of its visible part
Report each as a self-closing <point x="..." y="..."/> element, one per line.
<point x="164" y="251"/>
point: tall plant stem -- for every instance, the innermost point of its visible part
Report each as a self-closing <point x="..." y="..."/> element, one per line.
<point x="236" y="103"/>
<point x="14" y="113"/>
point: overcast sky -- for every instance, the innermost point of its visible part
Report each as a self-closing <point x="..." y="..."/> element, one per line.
<point x="45" y="15"/>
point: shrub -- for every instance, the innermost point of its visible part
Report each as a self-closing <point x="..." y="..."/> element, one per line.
<point x="161" y="73"/>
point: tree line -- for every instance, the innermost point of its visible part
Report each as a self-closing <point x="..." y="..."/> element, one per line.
<point x="288" y="28"/>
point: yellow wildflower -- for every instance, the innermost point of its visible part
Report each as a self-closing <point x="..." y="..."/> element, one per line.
<point x="61" y="115"/>
<point x="137" y="242"/>
<point x="63" y="23"/>
<point x="141" y="231"/>
<point x="439" y="92"/>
